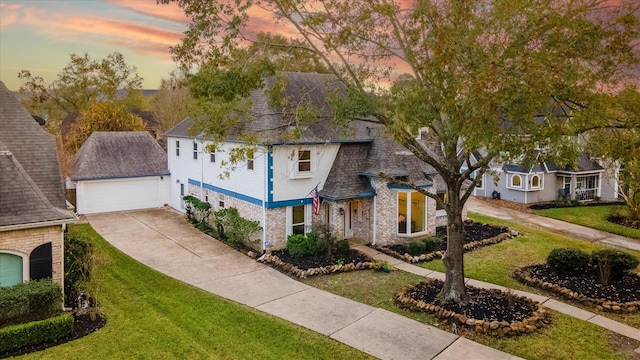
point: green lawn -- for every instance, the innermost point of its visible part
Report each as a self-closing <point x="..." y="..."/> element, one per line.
<point x="567" y="338"/>
<point x="593" y="217"/>
<point x="152" y="316"/>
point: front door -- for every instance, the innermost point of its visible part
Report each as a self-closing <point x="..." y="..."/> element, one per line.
<point x="348" y="220"/>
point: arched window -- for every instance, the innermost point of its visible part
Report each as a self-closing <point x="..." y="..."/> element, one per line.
<point x="12" y="269"/>
<point x="535" y="181"/>
<point x="516" y="181"/>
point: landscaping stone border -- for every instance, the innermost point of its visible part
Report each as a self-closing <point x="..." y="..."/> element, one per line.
<point x="523" y="276"/>
<point x="438" y="254"/>
<point x="291" y="269"/>
<point x="538" y="320"/>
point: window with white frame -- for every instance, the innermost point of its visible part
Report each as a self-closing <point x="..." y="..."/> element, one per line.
<point x="221" y="201"/>
<point x="212" y="156"/>
<point x="250" y="160"/>
<point x="301" y="164"/>
<point x="516" y="181"/>
<point x="195" y="150"/>
<point x="298" y="219"/>
<point x="412" y="212"/>
<point x="177" y="148"/>
<point x="304" y="161"/>
<point x="536" y="182"/>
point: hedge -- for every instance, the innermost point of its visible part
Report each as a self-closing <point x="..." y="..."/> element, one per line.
<point x="35" y="332"/>
<point x="31" y="301"/>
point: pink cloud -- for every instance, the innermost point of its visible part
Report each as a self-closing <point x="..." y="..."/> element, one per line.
<point x="149" y="7"/>
<point x="10" y="14"/>
<point x="91" y="29"/>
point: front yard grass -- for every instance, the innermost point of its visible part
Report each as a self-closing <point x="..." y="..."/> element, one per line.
<point x="152" y="316"/>
<point x="566" y="338"/>
<point x="593" y="217"/>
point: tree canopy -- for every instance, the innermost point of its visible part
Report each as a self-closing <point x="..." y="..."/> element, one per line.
<point x="505" y="76"/>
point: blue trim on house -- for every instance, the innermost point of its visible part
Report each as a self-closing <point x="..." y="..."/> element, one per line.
<point x="401" y="187"/>
<point x="269" y="177"/>
<point x="225" y="192"/>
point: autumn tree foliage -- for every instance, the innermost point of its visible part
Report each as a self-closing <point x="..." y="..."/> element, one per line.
<point x="497" y="75"/>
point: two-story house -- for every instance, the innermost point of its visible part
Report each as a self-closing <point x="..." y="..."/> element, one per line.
<point x="276" y="183"/>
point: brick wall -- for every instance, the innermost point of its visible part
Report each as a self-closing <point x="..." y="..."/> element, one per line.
<point x="24" y="241"/>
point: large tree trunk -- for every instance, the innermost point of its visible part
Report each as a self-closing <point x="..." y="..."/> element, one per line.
<point x="454" y="290"/>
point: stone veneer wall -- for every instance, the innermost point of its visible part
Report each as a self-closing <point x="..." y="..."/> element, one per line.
<point x="387" y="217"/>
<point x="276" y="218"/>
<point x="24" y="241"/>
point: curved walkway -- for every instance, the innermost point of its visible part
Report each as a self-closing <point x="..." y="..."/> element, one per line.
<point x="163" y="240"/>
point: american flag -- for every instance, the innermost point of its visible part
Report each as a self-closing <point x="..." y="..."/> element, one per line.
<point x="316" y="201"/>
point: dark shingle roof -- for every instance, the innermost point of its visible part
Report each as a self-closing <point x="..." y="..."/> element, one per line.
<point x="21" y="200"/>
<point x="119" y="154"/>
<point x="357" y="161"/>
<point x="30" y="171"/>
<point x="584" y="164"/>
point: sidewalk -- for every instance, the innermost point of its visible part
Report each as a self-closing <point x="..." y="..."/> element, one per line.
<point x="557" y="226"/>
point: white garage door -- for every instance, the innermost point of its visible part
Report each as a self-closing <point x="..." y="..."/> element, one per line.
<point x="118" y="194"/>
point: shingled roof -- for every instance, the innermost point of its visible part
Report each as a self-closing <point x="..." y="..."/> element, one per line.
<point x="356" y="162"/>
<point x="119" y="154"/>
<point x="270" y="124"/>
<point x="31" y="187"/>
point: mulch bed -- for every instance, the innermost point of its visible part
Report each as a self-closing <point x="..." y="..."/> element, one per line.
<point x="82" y="326"/>
<point x="475" y="235"/>
<point x="489" y="311"/>
<point x="621" y="295"/>
<point x="302" y="267"/>
<point x="621" y="220"/>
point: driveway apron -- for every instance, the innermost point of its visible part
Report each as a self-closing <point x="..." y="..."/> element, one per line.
<point x="163" y="240"/>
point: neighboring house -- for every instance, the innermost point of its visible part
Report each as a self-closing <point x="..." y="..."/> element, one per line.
<point x="119" y="170"/>
<point x="546" y="181"/>
<point x="33" y="211"/>
<point x="275" y="185"/>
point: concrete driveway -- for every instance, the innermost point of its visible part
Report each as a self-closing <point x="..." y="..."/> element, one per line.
<point x="163" y="240"/>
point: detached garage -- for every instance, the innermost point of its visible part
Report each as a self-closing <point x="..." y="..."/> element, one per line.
<point x="116" y="171"/>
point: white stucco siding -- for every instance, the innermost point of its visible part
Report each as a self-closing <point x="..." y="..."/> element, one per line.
<point x="241" y="182"/>
<point x="288" y="185"/>
<point x="95" y="196"/>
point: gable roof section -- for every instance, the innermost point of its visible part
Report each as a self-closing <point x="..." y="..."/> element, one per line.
<point x="32" y="147"/>
<point x="584" y="164"/>
<point x="356" y="162"/>
<point x="119" y="154"/>
<point x="21" y="200"/>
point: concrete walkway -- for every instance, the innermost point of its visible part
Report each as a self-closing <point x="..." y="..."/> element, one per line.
<point x="164" y="241"/>
<point x="540" y="222"/>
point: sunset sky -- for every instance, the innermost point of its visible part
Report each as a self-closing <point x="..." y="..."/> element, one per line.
<point x="39" y="35"/>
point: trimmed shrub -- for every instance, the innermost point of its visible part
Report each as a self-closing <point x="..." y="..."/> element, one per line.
<point x="569" y="260"/>
<point x="301" y="245"/>
<point x="620" y="262"/>
<point x="233" y="228"/>
<point x="34" y="300"/>
<point x="416" y="248"/>
<point x="433" y="243"/>
<point x="35" y="332"/>
<point x="78" y="263"/>
<point x="342" y="248"/>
